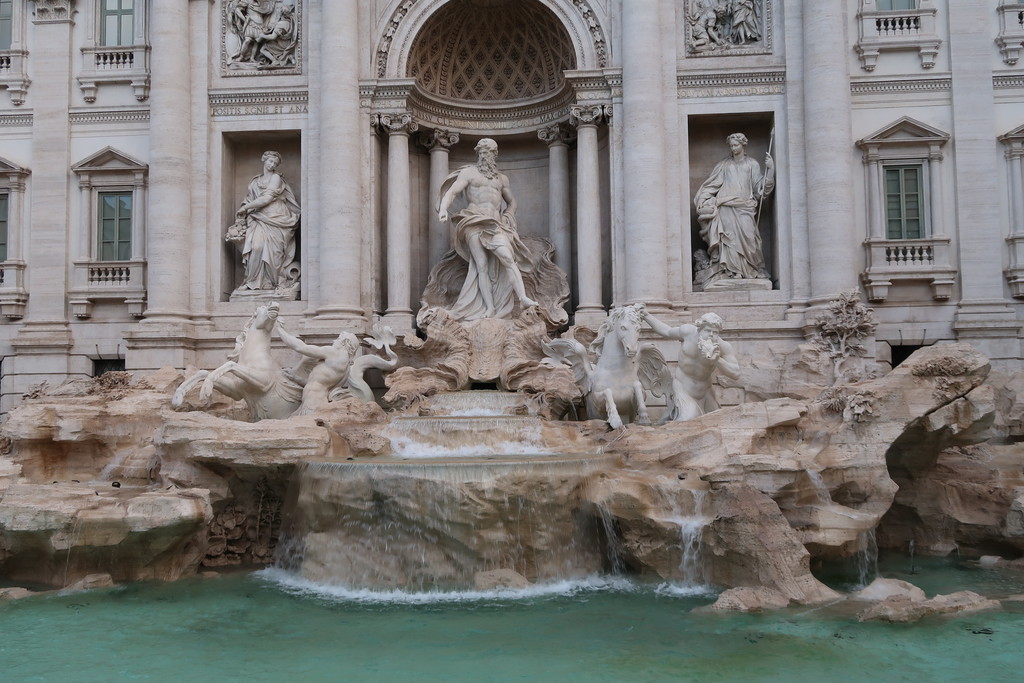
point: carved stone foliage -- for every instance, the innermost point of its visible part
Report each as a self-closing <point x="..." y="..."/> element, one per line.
<point x="261" y="36"/>
<point x="841" y="333"/>
<point x="53" y="10"/>
<point x="715" y="27"/>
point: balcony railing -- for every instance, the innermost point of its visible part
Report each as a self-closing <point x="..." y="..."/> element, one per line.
<point x="891" y="261"/>
<point x="13" y="76"/>
<point x="13" y="295"/>
<point x="882" y="31"/>
<point x="119" y="64"/>
<point x="1011" y="31"/>
<point x="108" y="281"/>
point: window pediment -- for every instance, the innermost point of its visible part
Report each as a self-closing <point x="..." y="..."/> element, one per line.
<point x="905" y="132"/>
<point x="109" y="160"/>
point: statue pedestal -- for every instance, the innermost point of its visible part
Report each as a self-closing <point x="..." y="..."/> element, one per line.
<point x="738" y="285"/>
<point x="285" y="294"/>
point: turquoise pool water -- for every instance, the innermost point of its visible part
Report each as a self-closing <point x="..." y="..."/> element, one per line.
<point x="255" y="627"/>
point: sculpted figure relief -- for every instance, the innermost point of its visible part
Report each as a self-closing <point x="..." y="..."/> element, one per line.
<point x="727" y="209"/>
<point x="262" y="33"/>
<point x="702" y="353"/>
<point x="485" y="235"/>
<point x="264" y="230"/>
<point x="723" y="24"/>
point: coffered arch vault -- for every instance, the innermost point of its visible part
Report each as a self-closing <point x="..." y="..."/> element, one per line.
<point x="400" y="30"/>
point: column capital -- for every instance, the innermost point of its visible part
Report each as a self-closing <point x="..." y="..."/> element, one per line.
<point x="438" y="138"/>
<point x="394" y="124"/>
<point x="556" y="134"/>
<point x="587" y="115"/>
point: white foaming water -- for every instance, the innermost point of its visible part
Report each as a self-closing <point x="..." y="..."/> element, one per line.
<point x="297" y="585"/>
<point x="819" y="488"/>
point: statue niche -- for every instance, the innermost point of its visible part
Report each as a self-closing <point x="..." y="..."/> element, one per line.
<point x="729" y="204"/>
<point x="264" y="231"/>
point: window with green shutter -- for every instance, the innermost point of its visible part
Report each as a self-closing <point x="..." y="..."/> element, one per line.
<point x="904" y="202"/>
<point x="897" y="4"/>
<point x="115" y="226"/>
<point x="6" y="23"/>
<point x="4" y="203"/>
<point x="117" y="19"/>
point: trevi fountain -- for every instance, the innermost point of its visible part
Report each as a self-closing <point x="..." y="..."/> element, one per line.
<point x="511" y="481"/>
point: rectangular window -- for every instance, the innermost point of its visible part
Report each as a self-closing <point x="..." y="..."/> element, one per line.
<point x="5" y="202"/>
<point x="117" y="22"/>
<point x="115" y="226"/>
<point x="6" y="23"/>
<point x="897" y="4"/>
<point x="904" y="199"/>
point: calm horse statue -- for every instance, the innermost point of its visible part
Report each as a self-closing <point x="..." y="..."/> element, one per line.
<point x="250" y="374"/>
<point x="613" y="385"/>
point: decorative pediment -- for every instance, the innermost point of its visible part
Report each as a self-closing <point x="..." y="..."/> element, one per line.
<point x="109" y="160"/>
<point x="9" y="169"/>
<point x="905" y="132"/>
<point x="1014" y="136"/>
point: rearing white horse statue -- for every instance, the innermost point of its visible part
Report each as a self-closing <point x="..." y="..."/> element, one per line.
<point x="251" y="373"/>
<point x="613" y="385"/>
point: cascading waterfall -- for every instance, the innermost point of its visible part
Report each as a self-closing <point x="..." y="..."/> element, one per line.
<point x="866" y="559"/>
<point x="462" y="494"/>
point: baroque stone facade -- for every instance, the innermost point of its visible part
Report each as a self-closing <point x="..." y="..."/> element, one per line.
<point x="896" y="141"/>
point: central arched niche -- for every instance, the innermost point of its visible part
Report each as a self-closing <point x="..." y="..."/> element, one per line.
<point x="493" y="68"/>
<point x="491" y="50"/>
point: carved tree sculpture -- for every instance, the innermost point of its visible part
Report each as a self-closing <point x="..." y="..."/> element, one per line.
<point x="841" y="331"/>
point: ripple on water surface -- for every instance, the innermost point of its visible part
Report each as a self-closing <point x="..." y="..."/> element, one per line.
<point x="258" y="628"/>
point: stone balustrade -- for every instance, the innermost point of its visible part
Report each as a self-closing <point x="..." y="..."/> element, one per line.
<point x="1011" y="31"/>
<point x="108" y="281"/>
<point x="118" y="64"/>
<point x="887" y="30"/>
<point x="892" y="261"/>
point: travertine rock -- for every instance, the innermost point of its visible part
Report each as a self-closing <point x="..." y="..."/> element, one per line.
<point x="55" y="534"/>
<point x="902" y="609"/>
<point x="499" y="578"/>
<point x="747" y="599"/>
<point x="885" y="589"/>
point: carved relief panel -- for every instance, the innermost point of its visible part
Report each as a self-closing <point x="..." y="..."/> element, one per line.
<point x="728" y="27"/>
<point x="261" y="36"/>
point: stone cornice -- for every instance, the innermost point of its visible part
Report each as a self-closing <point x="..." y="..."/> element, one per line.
<point x="732" y="83"/>
<point x="1008" y="81"/>
<point x="901" y="85"/>
<point x="19" y="119"/>
<point x="87" y="116"/>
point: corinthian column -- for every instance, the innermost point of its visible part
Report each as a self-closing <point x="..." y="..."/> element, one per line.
<point x="169" y="220"/>
<point x="643" y="144"/>
<point x="439" y="142"/>
<point x="399" y="221"/>
<point x="341" y="184"/>
<point x="827" y="132"/>
<point x="559" y="229"/>
<point x="588" y="215"/>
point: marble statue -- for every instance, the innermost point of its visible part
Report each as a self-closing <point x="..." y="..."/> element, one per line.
<point x="264" y="230"/>
<point x="485" y="236"/>
<point x="263" y="33"/>
<point x="702" y="353"/>
<point x="250" y="374"/>
<point x="728" y="204"/>
<point x="339" y="372"/>
<point x="613" y="385"/>
<point x="323" y="374"/>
